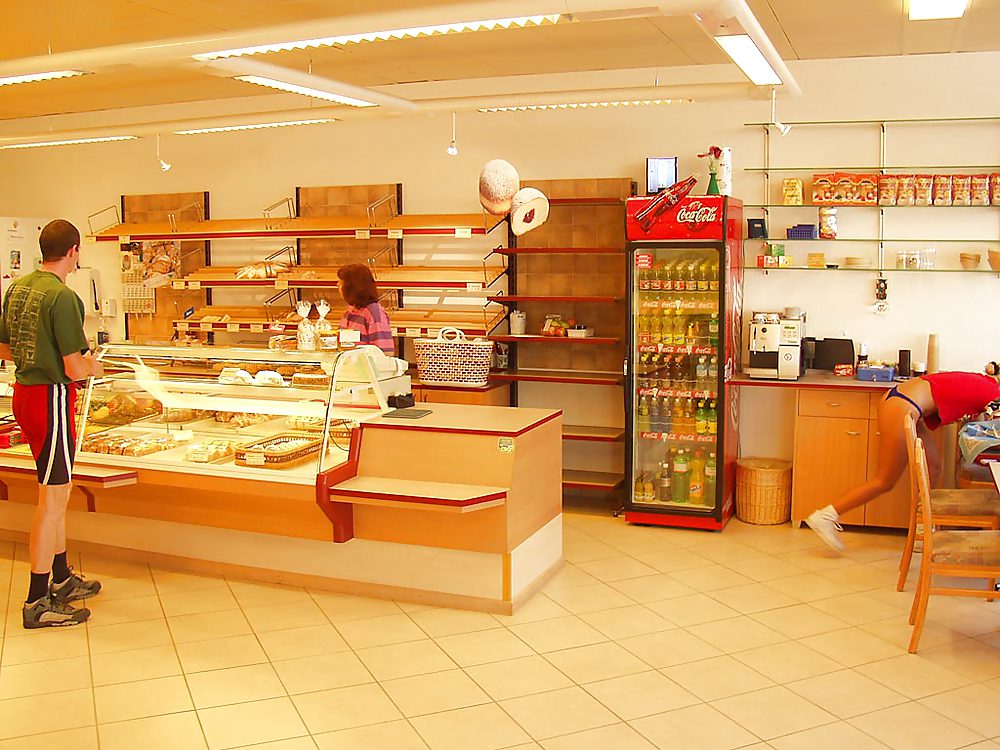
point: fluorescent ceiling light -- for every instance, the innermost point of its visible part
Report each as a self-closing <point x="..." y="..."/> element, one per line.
<point x="926" y="10"/>
<point x="294" y="88"/>
<point x="32" y="77"/>
<point x="254" y="126"/>
<point x="71" y="142"/>
<point x="383" y="36"/>
<point x="749" y="58"/>
<point x="582" y="105"/>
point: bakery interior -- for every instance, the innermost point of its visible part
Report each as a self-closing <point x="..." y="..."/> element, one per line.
<point x="568" y="510"/>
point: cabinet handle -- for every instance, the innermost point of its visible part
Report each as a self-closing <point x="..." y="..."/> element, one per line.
<point x="834" y="404"/>
<point x="853" y="433"/>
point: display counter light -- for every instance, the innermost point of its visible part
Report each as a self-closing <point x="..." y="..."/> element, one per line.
<point x="384" y="36"/>
<point x="71" y="142"/>
<point x="254" y="126"/>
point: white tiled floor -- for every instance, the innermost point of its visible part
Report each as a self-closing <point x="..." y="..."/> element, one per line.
<point x="647" y="638"/>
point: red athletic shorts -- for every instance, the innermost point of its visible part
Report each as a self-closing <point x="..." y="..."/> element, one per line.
<point x="45" y="415"/>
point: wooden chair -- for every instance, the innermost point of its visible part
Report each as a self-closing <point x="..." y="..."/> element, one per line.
<point x="977" y="509"/>
<point x="960" y="554"/>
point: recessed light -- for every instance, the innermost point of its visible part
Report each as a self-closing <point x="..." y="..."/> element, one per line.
<point x="71" y="142"/>
<point x="294" y="88"/>
<point x="254" y="126"/>
<point x="33" y="77"/>
<point x="929" y="10"/>
<point x="747" y="55"/>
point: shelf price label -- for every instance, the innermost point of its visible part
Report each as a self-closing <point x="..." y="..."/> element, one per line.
<point x="395" y="234"/>
<point x="256" y="328"/>
<point x="281" y="283"/>
<point x="177" y="284"/>
<point x="205" y="326"/>
<point x="474" y="286"/>
<point x="233" y="327"/>
<point x="182" y="325"/>
<point x="194" y="285"/>
<point x="124" y="239"/>
<point x="362" y="234"/>
<point x="463" y="232"/>
<point x="254" y="458"/>
<point x="411" y="332"/>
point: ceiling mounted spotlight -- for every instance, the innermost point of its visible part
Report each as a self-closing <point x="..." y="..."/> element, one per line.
<point x="452" y="148"/>
<point x="782" y="127"/>
<point x="165" y="166"/>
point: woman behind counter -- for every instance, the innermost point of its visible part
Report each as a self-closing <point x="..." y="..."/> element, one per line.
<point x="933" y="401"/>
<point x="364" y="313"/>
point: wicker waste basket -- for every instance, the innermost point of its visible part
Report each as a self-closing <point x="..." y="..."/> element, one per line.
<point x="763" y="490"/>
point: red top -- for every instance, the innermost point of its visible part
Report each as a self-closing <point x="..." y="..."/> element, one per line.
<point x="959" y="394"/>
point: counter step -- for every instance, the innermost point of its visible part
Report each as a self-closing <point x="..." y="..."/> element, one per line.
<point x="412" y="493"/>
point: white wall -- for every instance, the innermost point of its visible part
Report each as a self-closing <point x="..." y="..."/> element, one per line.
<point x="247" y="171"/>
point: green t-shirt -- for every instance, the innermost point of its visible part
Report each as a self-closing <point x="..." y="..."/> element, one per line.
<point x="42" y="321"/>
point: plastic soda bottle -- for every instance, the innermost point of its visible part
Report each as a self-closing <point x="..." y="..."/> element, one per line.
<point x="713" y="418"/>
<point x="696" y="490"/>
<point x="666" y="420"/>
<point x="701" y="373"/>
<point x="713" y="370"/>
<point x="689" y="417"/>
<point x="713" y="329"/>
<point x="703" y="274"/>
<point x="642" y="417"/>
<point x="654" y="413"/>
<point x="680" y="329"/>
<point x="655" y="327"/>
<point x="666" y="485"/>
<point x="648" y="488"/>
<point x="656" y="278"/>
<point x="678" y="421"/>
<point x="642" y="326"/>
<point x="701" y="419"/>
<point x="710" y="472"/>
<point x="682" y="477"/>
<point x="713" y="279"/>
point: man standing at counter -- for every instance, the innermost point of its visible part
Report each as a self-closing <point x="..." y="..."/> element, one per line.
<point x="41" y="331"/>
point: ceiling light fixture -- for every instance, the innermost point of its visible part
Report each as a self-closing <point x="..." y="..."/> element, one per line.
<point x="747" y="55"/>
<point x="294" y="88"/>
<point x="929" y="10"/>
<point x="32" y="77"/>
<point x="254" y="126"/>
<point x="71" y="142"/>
<point x="583" y="105"/>
<point x="782" y="127"/>
<point x="383" y="36"/>
<point x="163" y="165"/>
<point x="452" y="148"/>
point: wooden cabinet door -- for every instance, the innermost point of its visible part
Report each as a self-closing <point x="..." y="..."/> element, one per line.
<point x="831" y="457"/>
<point x="893" y="508"/>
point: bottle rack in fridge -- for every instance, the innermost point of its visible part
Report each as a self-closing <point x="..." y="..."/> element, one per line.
<point x="685" y="296"/>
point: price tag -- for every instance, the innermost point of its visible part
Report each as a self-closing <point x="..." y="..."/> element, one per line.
<point x="178" y="285"/>
<point x="395" y="234"/>
<point x="252" y="458"/>
<point x="194" y="285"/>
<point x="464" y="232"/>
<point x="474" y="286"/>
<point x="362" y="234"/>
<point x="233" y="327"/>
<point x="281" y="283"/>
<point x="256" y="328"/>
<point x="411" y="332"/>
<point x="123" y="238"/>
<point x="205" y="326"/>
<point x="182" y="325"/>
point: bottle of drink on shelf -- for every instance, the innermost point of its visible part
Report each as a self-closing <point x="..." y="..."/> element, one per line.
<point x="689" y="417"/>
<point x="712" y="415"/>
<point x="701" y="372"/>
<point x="666" y="485"/>
<point x="655" y="327"/>
<point x="692" y="370"/>
<point x="681" y="480"/>
<point x="642" y="415"/>
<point x="666" y="416"/>
<point x="713" y="372"/>
<point x="648" y="488"/>
<point x="642" y="327"/>
<point x="667" y="326"/>
<point x="710" y="472"/>
<point x="656" y="279"/>
<point x="642" y="281"/>
<point x="713" y="279"/>
<point x="701" y="419"/>
<point x="691" y="335"/>
<point x="679" y="280"/>
<point x="696" y="487"/>
<point x="667" y="282"/>
<point x="654" y="414"/>
<point x="680" y="329"/>
<point x="713" y="329"/>
<point x="678" y="420"/>
<point x="657" y="479"/>
<point x="692" y="276"/>
<point x="638" y="492"/>
<point x="704" y="270"/>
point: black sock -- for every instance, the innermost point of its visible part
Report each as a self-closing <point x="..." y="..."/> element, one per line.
<point x="60" y="568"/>
<point x="39" y="587"/>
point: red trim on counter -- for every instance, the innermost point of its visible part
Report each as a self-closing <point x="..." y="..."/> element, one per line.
<point x="340" y="515"/>
<point x="415" y="500"/>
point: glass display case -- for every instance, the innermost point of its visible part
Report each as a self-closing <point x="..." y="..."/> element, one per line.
<point x="260" y="414"/>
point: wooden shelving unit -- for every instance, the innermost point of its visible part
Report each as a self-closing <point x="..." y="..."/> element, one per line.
<point x="593" y="434"/>
<point x="528" y="375"/>
<point x="531" y="339"/>
<point x="591" y="480"/>
<point x="466" y="279"/>
<point x="513" y="299"/>
<point x="559" y="251"/>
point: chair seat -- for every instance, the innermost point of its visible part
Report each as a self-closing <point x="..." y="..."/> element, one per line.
<point x="980" y="548"/>
<point x="948" y="502"/>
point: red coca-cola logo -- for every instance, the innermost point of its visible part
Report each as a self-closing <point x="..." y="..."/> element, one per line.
<point x="696" y="212"/>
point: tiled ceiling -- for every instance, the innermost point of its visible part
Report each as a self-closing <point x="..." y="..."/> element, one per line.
<point x="799" y="29"/>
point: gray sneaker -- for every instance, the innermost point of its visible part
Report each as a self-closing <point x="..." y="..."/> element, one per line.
<point x="48" y="613"/>
<point x="74" y="588"/>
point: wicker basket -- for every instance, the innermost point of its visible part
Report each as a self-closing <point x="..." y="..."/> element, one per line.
<point x="454" y="361"/>
<point x="763" y="490"/>
<point x="280" y="451"/>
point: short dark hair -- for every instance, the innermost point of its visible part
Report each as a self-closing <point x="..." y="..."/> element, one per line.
<point x="359" y="284"/>
<point x="57" y="238"/>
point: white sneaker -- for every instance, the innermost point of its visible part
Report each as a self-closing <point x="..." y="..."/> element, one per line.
<point x="825" y="522"/>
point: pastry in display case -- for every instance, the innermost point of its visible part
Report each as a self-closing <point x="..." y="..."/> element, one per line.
<point x="200" y="410"/>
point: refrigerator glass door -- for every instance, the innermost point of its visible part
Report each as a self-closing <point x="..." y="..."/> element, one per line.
<point x="676" y="379"/>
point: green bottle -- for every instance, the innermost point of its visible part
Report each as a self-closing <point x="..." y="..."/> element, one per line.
<point x="710" y="474"/>
<point x="713" y="330"/>
<point x="712" y="418"/>
<point x="682" y="477"/>
<point x="701" y="419"/>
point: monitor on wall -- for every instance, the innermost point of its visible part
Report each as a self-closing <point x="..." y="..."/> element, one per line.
<point x="661" y="172"/>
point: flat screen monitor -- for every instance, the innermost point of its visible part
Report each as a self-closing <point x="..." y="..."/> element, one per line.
<point x="661" y="172"/>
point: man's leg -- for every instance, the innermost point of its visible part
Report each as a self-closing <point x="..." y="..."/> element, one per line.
<point x="48" y="530"/>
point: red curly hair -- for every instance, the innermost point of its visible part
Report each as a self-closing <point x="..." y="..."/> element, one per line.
<point x="358" y="287"/>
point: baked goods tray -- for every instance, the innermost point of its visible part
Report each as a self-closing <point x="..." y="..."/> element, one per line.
<point x="280" y="451"/>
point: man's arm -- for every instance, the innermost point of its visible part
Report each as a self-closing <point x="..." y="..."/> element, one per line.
<point x="81" y="366"/>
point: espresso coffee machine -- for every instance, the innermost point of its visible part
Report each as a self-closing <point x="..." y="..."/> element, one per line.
<point x="776" y="349"/>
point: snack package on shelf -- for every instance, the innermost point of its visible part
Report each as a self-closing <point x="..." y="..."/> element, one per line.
<point x="791" y="191"/>
<point x="888" y="189"/>
<point x="822" y="189"/>
<point x="867" y="189"/>
<point x="942" y="190"/>
<point x="961" y="190"/>
<point x="262" y="270"/>
<point x="907" y="193"/>
<point x="210" y="451"/>
<point x="924" y="189"/>
<point x="979" y="190"/>
<point x="846" y="188"/>
<point x="995" y="189"/>
<point x="828" y="223"/>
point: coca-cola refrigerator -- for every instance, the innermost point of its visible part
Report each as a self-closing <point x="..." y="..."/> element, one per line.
<point x="686" y="299"/>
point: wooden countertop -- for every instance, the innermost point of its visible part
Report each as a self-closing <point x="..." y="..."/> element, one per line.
<point x="476" y="420"/>
<point x="814" y="379"/>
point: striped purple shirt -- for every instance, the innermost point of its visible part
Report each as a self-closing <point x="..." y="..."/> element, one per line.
<point x="373" y="322"/>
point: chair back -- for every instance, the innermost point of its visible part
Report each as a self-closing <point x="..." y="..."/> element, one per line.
<point x="923" y="478"/>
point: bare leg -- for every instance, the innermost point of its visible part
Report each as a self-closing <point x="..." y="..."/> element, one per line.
<point x="934" y="463"/>
<point x="48" y="529"/>
<point x="891" y="457"/>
